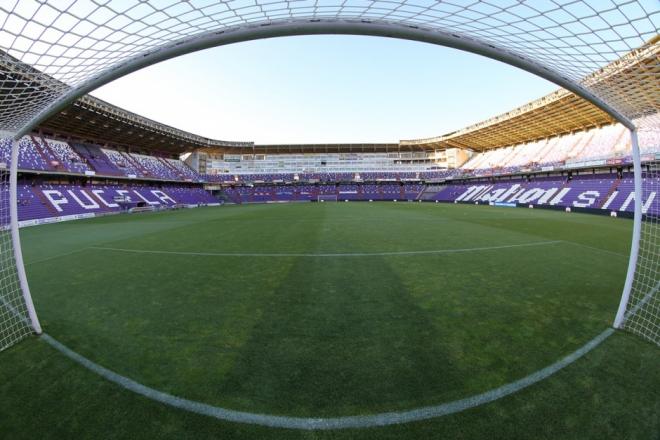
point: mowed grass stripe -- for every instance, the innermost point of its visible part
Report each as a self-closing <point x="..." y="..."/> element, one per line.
<point x="59" y="239"/>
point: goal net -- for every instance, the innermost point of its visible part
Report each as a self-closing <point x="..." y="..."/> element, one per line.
<point x="640" y="311"/>
<point x="326" y="198"/>
<point x="15" y="315"/>
<point x="606" y="51"/>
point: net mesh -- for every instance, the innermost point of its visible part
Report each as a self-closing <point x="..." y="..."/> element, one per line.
<point x="609" y="47"/>
<point x="66" y="42"/>
<point x="642" y="314"/>
<point x="14" y="323"/>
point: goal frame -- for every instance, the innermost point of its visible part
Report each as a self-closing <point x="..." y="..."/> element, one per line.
<point x="327" y="198"/>
<point x="293" y="28"/>
<point x="16" y="240"/>
<point x="619" y="319"/>
<point x="336" y="25"/>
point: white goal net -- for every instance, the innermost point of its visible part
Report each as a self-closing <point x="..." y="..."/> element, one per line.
<point x="642" y="309"/>
<point x="327" y="198"/>
<point x="15" y="322"/>
<point x="52" y="52"/>
<point x="12" y="307"/>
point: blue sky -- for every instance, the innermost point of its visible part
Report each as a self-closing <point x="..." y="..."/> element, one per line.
<point x="324" y="89"/>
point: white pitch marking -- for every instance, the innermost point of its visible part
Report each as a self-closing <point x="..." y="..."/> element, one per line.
<point x="365" y="421"/>
<point x="353" y="254"/>
<point x="53" y="257"/>
<point x="595" y="248"/>
<point x="640" y="304"/>
<point x="317" y="423"/>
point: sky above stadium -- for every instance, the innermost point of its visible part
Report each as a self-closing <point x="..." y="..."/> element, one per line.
<point x="324" y="89"/>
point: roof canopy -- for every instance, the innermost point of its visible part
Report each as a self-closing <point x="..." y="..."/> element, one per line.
<point x="93" y="119"/>
<point x="563" y="112"/>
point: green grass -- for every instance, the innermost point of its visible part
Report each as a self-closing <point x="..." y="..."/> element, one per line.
<point x="331" y="336"/>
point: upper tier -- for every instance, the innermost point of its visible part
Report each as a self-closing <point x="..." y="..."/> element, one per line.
<point x="53" y="156"/>
<point x="609" y="145"/>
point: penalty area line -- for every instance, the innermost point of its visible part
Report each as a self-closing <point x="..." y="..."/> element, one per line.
<point x="597" y="249"/>
<point x="313" y="423"/>
<point x="325" y="255"/>
<point x="53" y="257"/>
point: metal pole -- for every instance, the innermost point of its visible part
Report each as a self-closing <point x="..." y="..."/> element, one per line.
<point x="16" y="239"/>
<point x="637" y="231"/>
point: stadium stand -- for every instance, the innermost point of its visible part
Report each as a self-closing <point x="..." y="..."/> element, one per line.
<point x="65" y="155"/>
<point x="46" y="200"/>
<point x="154" y="167"/>
<point x="41" y="154"/>
<point x="29" y="156"/>
<point x="597" y="191"/>
<point x="183" y="170"/>
<point x="603" y="144"/>
<point x="581" y="159"/>
<point x="121" y="162"/>
<point x="532" y="165"/>
<point x="96" y="159"/>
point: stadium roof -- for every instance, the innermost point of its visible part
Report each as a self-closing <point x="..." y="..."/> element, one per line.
<point x="555" y="114"/>
<point x="90" y="118"/>
<point x="94" y="119"/>
<point x="558" y="113"/>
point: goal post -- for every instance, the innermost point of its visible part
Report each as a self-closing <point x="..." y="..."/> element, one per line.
<point x="16" y="239"/>
<point x="326" y="198"/>
<point x="637" y="223"/>
<point x="18" y="317"/>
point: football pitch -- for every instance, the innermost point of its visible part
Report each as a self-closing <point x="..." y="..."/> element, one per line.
<point x="331" y="310"/>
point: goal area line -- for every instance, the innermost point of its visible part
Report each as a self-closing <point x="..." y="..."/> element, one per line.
<point x="326" y="255"/>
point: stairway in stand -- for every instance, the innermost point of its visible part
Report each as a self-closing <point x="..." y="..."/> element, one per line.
<point x="419" y="194"/>
<point x="45" y="202"/>
<point x="83" y="159"/>
<point x="613" y="188"/>
<point x="136" y="164"/>
<point x="43" y="154"/>
<point x="172" y="168"/>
